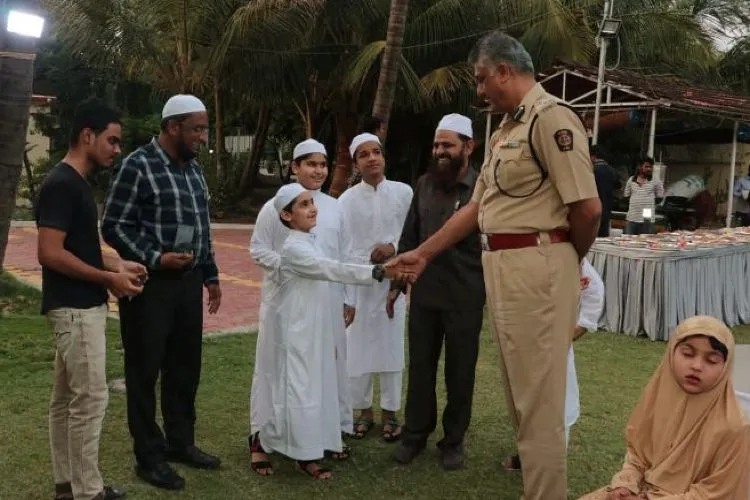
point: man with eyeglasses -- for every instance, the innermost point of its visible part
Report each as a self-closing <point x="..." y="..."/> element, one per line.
<point x="156" y="213"/>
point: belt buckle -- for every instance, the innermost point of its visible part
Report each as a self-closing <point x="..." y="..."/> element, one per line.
<point x="485" y="241"/>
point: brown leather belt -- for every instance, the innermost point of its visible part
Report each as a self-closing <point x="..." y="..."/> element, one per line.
<point x="506" y="241"/>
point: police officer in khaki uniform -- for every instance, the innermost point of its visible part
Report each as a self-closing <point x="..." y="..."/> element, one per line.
<point x="538" y="210"/>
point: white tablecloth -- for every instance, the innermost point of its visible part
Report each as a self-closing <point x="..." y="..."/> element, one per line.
<point x="651" y="291"/>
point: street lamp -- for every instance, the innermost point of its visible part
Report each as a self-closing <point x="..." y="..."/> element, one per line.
<point x="25" y="24"/>
<point x="608" y="29"/>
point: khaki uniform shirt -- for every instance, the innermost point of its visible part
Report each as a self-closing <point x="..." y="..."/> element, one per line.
<point x="561" y="144"/>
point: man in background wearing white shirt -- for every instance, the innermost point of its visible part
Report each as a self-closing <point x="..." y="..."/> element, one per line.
<point x="375" y="211"/>
<point x="643" y="190"/>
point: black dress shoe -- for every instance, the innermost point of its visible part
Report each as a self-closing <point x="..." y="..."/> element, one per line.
<point x="405" y="453"/>
<point x="110" y="493"/>
<point x="160" y="475"/>
<point x="194" y="457"/>
<point x="452" y="457"/>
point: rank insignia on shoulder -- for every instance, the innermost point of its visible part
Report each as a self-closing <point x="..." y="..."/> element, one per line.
<point x="564" y="139"/>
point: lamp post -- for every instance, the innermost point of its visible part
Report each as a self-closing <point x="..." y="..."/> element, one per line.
<point x="19" y="31"/>
<point x="608" y="29"/>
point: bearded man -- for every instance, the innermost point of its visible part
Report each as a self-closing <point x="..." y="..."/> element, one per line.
<point x="156" y="214"/>
<point x="454" y="313"/>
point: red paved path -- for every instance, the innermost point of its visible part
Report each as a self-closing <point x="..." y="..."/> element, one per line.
<point x="240" y="277"/>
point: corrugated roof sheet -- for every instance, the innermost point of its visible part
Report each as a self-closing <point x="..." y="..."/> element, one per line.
<point x="680" y="93"/>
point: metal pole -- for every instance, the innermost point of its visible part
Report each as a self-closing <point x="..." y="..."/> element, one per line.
<point x="652" y="134"/>
<point x="600" y="78"/>
<point x="487" y="135"/>
<point x="730" y="193"/>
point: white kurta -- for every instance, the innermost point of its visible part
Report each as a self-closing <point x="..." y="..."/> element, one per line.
<point x="265" y="246"/>
<point x="373" y="217"/>
<point x="590" y="310"/>
<point x="304" y="390"/>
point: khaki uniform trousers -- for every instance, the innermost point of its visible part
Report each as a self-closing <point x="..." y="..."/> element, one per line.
<point x="532" y="297"/>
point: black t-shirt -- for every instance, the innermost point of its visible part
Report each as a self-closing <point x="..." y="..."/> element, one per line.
<point x="67" y="203"/>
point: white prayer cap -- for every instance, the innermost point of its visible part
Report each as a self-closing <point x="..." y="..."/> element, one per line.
<point x="307" y="147"/>
<point x="182" y="104"/>
<point x="459" y="124"/>
<point x="286" y="194"/>
<point x="361" y="139"/>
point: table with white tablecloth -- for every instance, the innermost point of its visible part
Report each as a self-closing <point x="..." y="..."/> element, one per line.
<point x="650" y="291"/>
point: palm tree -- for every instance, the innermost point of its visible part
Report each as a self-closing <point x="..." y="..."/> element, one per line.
<point x="381" y="108"/>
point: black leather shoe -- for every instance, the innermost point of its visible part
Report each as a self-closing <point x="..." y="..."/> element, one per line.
<point x="405" y="453"/>
<point x="194" y="457"/>
<point x="452" y="457"/>
<point x="110" y="493"/>
<point x="161" y="475"/>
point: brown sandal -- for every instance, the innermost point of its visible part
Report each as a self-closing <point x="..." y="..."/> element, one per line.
<point x="391" y="428"/>
<point x="313" y="469"/>
<point x="262" y="466"/>
<point x="340" y="456"/>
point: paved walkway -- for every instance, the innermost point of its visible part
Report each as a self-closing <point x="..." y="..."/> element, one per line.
<point x="240" y="277"/>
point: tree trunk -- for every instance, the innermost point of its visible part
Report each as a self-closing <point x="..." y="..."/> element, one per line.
<point x="250" y="172"/>
<point x="390" y="63"/>
<point x="221" y="175"/>
<point x="345" y="126"/>
<point x="29" y="178"/>
<point x="16" y="77"/>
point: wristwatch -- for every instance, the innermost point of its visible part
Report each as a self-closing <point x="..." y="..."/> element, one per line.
<point x="378" y="272"/>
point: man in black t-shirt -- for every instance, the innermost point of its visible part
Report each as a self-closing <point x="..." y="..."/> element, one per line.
<point x="75" y="280"/>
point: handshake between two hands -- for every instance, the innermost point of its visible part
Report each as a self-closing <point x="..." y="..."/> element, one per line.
<point x="406" y="267"/>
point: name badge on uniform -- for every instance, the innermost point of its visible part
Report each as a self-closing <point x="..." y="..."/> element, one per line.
<point x="510" y="144"/>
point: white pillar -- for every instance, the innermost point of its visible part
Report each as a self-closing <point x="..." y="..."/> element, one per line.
<point x="652" y="134"/>
<point x="733" y="164"/>
<point x="600" y="77"/>
<point x="487" y="135"/>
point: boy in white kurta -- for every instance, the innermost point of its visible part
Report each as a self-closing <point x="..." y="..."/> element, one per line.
<point x="375" y="211"/>
<point x="590" y="310"/>
<point x="304" y="420"/>
<point x="269" y="234"/>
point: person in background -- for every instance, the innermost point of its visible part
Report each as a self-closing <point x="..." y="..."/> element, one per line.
<point x="374" y="213"/>
<point x="687" y="437"/>
<point x="607" y="182"/>
<point x="454" y="315"/>
<point x="643" y="191"/>
<point x="75" y="279"/>
<point x="156" y="213"/>
<point x="741" y="191"/>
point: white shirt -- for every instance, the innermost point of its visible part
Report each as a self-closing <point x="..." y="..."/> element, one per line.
<point x="642" y="196"/>
<point x="375" y="216"/>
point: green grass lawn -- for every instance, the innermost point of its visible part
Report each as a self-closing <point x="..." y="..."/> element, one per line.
<point x="612" y="369"/>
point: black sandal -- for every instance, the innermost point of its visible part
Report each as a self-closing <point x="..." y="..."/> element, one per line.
<point x="362" y="427"/>
<point x="259" y="465"/>
<point x="340" y="456"/>
<point x="393" y="435"/>
<point x="305" y="466"/>
<point x="512" y="463"/>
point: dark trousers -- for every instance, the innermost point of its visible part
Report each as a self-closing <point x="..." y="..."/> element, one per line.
<point x="162" y="333"/>
<point x="427" y="328"/>
<point x="639" y="228"/>
<point x="604" y="224"/>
